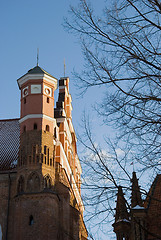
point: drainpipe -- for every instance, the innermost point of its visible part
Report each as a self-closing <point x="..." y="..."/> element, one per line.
<point x="9" y="188"/>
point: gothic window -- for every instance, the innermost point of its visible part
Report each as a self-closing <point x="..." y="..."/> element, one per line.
<point x="45" y="148"/>
<point x="33" y="183"/>
<point x="47" y="99"/>
<point x="31" y="220"/>
<point x="47" y="128"/>
<point x="47" y="181"/>
<point x="35" y="126"/>
<point x="21" y="184"/>
<point x="24" y="100"/>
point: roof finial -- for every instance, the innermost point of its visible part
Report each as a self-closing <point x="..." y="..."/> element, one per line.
<point x="37" y="56"/>
<point x="64" y="67"/>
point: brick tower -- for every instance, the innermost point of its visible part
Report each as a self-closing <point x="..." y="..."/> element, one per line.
<point x="44" y="197"/>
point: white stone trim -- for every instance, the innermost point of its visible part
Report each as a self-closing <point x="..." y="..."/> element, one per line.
<point x="36" y="116"/>
<point x="28" y="77"/>
<point x="50" y="90"/>
<point x="35" y="88"/>
<point x="78" y="164"/>
<point x="70" y="176"/>
<point x="26" y="88"/>
<point x="71" y="127"/>
<point x="62" y="87"/>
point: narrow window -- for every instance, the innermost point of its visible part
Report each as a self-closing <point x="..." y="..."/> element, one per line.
<point x="45" y="148"/>
<point x="35" y="126"/>
<point x="48" y="100"/>
<point x="47" y="128"/>
<point x="34" y="152"/>
<point x="48" y="156"/>
<point x="29" y="159"/>
<point x="31" y="220"/>
<point x="24" y="129"/>
<point x="24" y="100"/>
<point x="55" y="135"/>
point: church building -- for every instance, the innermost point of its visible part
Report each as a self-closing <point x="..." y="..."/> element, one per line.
<point x="140" y="219"/>
<point x="40" y="172"/>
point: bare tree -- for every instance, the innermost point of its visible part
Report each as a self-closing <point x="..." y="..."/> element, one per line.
<point x="122" y="49"/>
<point x="105" y="170"/>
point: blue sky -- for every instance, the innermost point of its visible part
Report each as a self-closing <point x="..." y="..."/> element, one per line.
<point x="26" y="26"/>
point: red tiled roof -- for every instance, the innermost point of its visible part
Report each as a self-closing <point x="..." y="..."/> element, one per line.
<point x="9" y="143"/>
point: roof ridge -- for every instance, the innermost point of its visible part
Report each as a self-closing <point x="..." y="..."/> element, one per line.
<point x="10" y="119"/>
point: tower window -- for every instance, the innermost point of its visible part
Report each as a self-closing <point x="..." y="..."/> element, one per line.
<point x="35" y="126"/>
<point x="31" y="220"/>
<point x="48" y="100"/>
<point x="24" y="100"/>
<point x="47" y="128"/>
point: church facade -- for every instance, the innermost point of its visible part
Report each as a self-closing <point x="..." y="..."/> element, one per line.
<point x="40" y="172"/>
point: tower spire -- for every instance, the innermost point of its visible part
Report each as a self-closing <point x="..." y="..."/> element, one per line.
<point x="121" y="209"/>
<point x="122" y="223"/>
<point x="136" y="194"/>
<point x="37" y="56"/>
<point x="64" y="67"/>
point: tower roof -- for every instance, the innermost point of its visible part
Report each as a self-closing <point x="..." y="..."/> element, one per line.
<point x="154" y="194"/>
<point x="36" y="73"/>
<point x="38" y="70"/>
<point x="136" y="199"/>
<point x="121" y="209"/>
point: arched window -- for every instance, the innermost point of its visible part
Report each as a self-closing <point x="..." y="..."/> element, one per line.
<point x="21" y="184"/>
<point x="47" y="181"/>
<point x="47" y="128"/>
<point x="31" y="220"/>
<point x="33" y="183"/>
<point x="35" y="126"/>
<point x="48" y="100"/>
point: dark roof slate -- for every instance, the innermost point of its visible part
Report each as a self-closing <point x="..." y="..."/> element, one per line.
<point x="37" y="70"/>
<point x="9" y="143"/>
